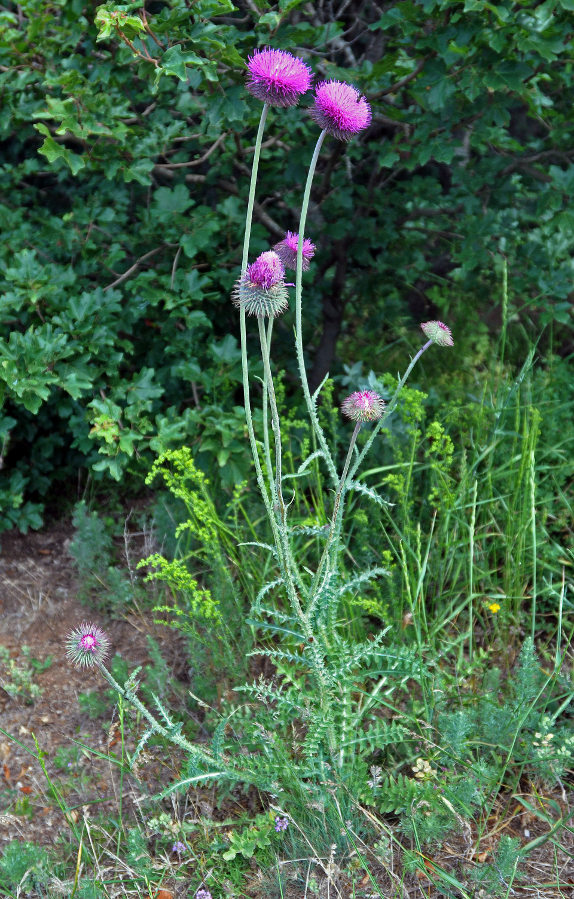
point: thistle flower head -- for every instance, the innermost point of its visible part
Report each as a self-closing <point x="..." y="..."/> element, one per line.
<point x="340" y="109"/>
<point x="203" y="894"/>
<point x="267" y="270"/>
<point x="277" y="78"/>
<point x="261" y="290"/>
<point x="438" y="333"/>
<point x="87" y="645"/>
<point x="364" y="405"/>
<point x="286" y="249"/>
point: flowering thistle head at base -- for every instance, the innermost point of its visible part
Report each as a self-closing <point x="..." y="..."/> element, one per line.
<point x="364" y="405"/>
<point x="286" y="249"/>
<point x="438" y="333"/>
<point x="261" y="289"/>
<point x="87" y="645"/>
<point x="340" y="110"/>
<point x="277" y="78"/>
<point x="203" y="894"/>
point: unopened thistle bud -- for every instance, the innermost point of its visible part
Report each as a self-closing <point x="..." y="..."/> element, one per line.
<point x="286" y="249"/>
<point x="87" y="645"/>
<point x="261" y="290"/>
<point x="364" y="405"/>
<point x="438" y="333"/>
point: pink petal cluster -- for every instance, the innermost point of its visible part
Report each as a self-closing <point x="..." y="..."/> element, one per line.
<point x="438" y="332"/>
<point x="364" y="405"/>
<point x="340" y="110"/>
<point x="261" y="289"/>
<point x="277" y="78"/>
<point x="267" y="270"/>
<point x="286" y="249"/>
<point x="87" y="645"/>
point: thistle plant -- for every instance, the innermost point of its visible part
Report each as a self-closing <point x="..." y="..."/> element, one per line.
<point x="341" y="112"/>
<point x="305" y="623"/>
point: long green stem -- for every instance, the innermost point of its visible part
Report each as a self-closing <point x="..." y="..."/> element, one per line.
<point x="389" y="408"/>
<point x="243" y="333"/>
<point x="311" y="408"/>
<point x="336" y="513"/>
<point x="265" y="404"/>
<point x="252" y="186"/>
<point x="172" y="735"/>
<point x="471" y="571"/>
<point x="269" y="390"/>
<point x="532" y="484"/>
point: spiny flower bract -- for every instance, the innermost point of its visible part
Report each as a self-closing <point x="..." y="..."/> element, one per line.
<point x="438" y="333"/>
<point x="277" y="77"/>
<point x="340" y="109"/>
<point x="286" y="249"/>
<point x="363" y="405"/>
<point x="261" y="290"/>
<point x="87" y="645"/>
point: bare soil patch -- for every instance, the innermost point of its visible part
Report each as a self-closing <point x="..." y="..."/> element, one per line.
<point x="38" y="606"/>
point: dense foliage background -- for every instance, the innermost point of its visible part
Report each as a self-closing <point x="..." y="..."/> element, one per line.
<point x="126" y="139"/>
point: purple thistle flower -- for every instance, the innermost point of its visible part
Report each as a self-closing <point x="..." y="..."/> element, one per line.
<point x="203" y="894"/>
<point x="286" y="249"/>
<point x="364" y="405"/>
<point x="261" y="290"/>
<point x="438" y="333"/>
<point x="87" y="645"/>
<point x="179" y="848"/>
<point x="277" y="78"/>
<point x="281" y="824"/>
<point x="267" y="270"/>
<point x="340" y="109"/>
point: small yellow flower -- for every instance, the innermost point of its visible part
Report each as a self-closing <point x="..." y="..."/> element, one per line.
<point x="494" y="607"/>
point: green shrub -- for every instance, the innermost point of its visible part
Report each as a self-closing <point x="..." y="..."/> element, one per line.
<point x="124" y="186"/>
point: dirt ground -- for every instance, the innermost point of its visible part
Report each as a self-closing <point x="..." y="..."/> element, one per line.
<point x="38" y="606"/>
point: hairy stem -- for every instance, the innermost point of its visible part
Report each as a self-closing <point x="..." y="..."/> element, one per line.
<point x="337" y="512"/>
<point x="389" y="408"/>
<point x="311" y="408"/>
<point x="269" y="391"/>
<point x="243" y="333"/>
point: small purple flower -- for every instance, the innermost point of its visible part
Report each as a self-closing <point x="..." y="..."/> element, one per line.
<point x="286" y="249"/>
<point x="277" y="78"/>
<point x="87" y="645"/>
<point x="261" y="290"/>
<point x="179" y="848"/>
<point x="364" y="405"/>
<point x="281" y="823"/>
<point x="438" y="333"/>
<point x="203" y="894"/>
<point x="340" y="109"/>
